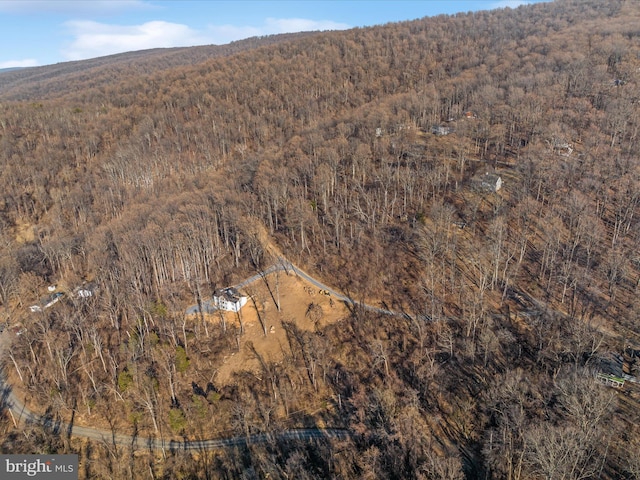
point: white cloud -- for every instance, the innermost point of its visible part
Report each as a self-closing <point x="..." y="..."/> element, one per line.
<point x="510" y="3"/>
<point x="93" y="39"/>
<point x="284" y="25"/>
<point x="221" y="34"/>
<point x="27" y="62"/>
<point x="74" y="7"/>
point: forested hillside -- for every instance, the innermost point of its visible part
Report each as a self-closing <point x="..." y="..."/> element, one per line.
<point x="364" y="157"/>
<point x="52" y="81"/>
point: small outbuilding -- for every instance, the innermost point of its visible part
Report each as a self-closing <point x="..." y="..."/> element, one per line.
<point x="229" y="299"/>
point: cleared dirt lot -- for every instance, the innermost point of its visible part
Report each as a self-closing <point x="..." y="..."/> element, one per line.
<point x="300" y="303"/>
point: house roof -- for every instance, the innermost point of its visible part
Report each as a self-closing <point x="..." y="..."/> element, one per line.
<point x="229" y="294"/>
<point x="441" y="130"/>
<point x="488" y="180"/>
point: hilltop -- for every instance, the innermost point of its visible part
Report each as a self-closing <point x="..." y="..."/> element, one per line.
<point x="478" y="173"/>
<point x="70" y="78"/>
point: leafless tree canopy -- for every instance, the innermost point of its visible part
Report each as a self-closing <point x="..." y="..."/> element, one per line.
<point x="160" y="177"/>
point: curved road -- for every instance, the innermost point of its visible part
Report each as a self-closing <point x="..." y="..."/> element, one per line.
<point x="285" y="265"/>
<point x="21" y="414"/>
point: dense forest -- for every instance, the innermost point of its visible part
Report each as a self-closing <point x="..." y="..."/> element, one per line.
<point x="361" y="156"/>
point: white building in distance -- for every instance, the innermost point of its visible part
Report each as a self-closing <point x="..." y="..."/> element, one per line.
<point x="229" y="299"/>
<point x="489" y="182"/>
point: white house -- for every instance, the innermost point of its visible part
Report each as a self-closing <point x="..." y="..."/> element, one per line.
<point x="441" y="130"/>
<point x="229" y="299"/>
<point x="85" y="291"/>
<point x="489" y="182"/>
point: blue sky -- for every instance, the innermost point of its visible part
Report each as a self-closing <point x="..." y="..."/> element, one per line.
<point x="41" y="32"/>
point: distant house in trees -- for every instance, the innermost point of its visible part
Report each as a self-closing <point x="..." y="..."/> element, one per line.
<point x="47" y="302"/>
<point x="229" y="299"/>
<point x="85" y="291"/>
<point x="441" y="130"/>
<point x="490" y="182"/>
<point x="560" y="147"/>
<point x="564" y="149"/>
<point x="610" y="380"/>
<point x="610" y="370"/>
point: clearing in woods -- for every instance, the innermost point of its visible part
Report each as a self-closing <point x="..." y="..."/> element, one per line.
<point x="300" y="303"/>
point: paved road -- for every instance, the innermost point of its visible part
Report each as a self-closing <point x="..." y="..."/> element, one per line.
<point x="338" y="295"/>
<point x="285" y="265"/>
<point x="22" y="415"/>
<point x="208" y="305"/>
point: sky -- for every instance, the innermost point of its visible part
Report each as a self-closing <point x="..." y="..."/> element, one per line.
<point x="43" y="32"/>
